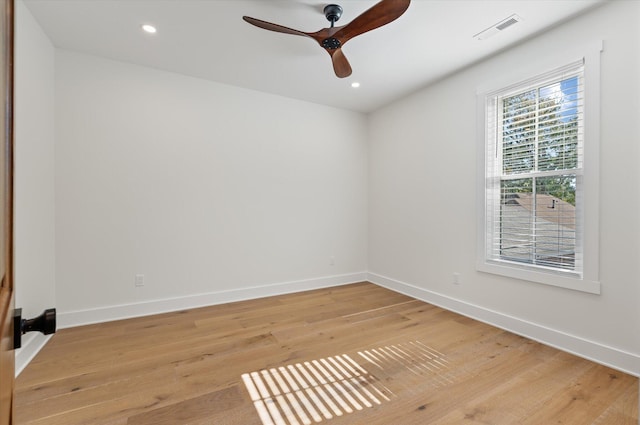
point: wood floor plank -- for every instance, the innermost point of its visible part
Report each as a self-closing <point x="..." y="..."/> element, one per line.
<point x="421" y="364"/>
<point x="229" y="408"/>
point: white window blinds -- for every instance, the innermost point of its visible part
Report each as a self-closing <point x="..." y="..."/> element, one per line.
<point x="534" y="160"/>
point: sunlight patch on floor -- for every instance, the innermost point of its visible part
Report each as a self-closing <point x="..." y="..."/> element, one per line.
<point x="313" y="391"/>
<point x="416" y="357"/>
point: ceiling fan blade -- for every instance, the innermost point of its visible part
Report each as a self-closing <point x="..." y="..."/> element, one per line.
<point x="341" y="65"/>
<point x="273" y="27"/>
<point x="378" y="15"/>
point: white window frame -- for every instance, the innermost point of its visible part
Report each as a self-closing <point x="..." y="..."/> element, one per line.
<point x="587" y="209"/>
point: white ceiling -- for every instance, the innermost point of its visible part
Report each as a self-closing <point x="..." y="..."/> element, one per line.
<point x="208" y="39"/>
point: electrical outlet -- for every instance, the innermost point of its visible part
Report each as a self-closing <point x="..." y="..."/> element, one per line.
<point x="139" y="281"/>
<point x="456" y="278"/>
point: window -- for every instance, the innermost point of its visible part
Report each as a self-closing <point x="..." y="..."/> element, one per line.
<point x="533" y="184"/>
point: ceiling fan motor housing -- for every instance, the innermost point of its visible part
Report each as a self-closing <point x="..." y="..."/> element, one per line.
<point x="331" y="43"/>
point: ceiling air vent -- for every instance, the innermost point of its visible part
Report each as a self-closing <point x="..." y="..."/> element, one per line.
<point x="500" y="26"/>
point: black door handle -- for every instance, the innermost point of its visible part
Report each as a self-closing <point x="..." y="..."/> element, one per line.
<point x="45" y="323"/>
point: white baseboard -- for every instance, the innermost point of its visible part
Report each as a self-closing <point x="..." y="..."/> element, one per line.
<point x="594" y="351"/>
<point x="32" y="343"/>
<point x="69" y="319"/>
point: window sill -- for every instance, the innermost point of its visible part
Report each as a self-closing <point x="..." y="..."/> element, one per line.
<point x="567" y="281"/>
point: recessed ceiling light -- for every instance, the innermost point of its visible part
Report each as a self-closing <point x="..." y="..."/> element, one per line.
<point x="355" y="84"/>
<point x="149" y="28"/>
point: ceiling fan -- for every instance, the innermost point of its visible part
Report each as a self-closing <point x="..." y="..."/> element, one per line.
<point x="333" y="38"/>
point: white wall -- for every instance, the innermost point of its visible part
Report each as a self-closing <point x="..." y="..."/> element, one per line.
<point x="34" y="237"/>
<point x="202" y="187"/>
<point x="422" y="222"/>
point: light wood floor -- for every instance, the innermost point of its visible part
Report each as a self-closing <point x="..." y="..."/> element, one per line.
<point x="401" y="361"/>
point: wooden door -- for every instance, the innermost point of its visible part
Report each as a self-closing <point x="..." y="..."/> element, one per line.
<point x="7" y="364"/>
